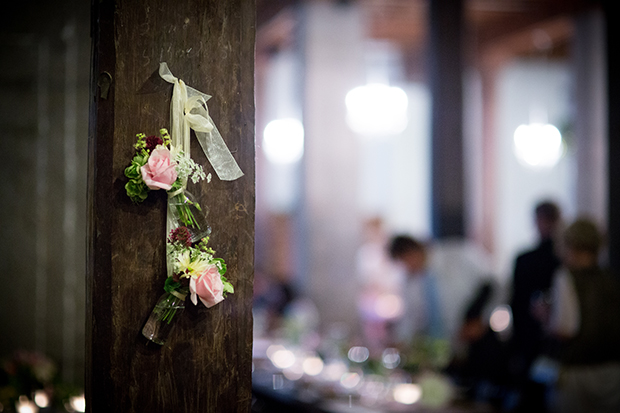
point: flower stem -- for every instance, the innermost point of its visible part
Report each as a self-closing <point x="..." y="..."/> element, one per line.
<point x="186" y="216"/>
<point x="168" y="309"/>
<point x="168" y="314"/>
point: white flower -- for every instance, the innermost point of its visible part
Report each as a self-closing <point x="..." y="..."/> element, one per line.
<point x="187" y="168"/>
<point x="192" y="268"/>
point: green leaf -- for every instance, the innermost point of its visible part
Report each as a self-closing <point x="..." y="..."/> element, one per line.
<point x="137" y="190"/>
<point x="221" y="265"/>
<point x="141" y="159"/>
<point x="138" y="161"/>
<point x="228" y="287"/>
<point x="171" y="285"/>
<point x="130" y="171"/>
<point x="175" y="186"/>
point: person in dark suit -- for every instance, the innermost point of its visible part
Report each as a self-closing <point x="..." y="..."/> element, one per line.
<point x="532" y="279"/>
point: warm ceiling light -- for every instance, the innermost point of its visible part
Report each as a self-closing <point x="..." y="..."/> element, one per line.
<point x="377" y="110"/>
<point x="538" y="145"/>
<point x="283" y="141"/>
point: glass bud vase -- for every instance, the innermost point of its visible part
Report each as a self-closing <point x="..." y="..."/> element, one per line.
<point x="185" y="211"/>
<point x="161" y="322"/>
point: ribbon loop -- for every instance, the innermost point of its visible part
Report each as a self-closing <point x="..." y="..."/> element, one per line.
<point x="199" y="121"/>
<point x="188" y="110"/>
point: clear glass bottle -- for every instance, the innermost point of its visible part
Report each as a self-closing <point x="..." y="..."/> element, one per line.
<point x="161" y="322"/>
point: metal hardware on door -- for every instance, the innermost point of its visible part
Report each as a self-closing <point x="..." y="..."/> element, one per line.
<point x="104" y="82"/>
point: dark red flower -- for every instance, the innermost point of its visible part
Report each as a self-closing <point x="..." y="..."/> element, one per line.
<point x="182" y="236"/>
<point x="152" y="142"/>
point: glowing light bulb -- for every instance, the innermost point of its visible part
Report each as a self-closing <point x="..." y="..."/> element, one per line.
<point x="377" y="109"/>
<point x="283" y="141"/>
<point x="538" y="145"/>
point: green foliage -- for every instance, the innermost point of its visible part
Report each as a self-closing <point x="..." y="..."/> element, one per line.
<point x="165" y="136"/>
<point x="140" y="145"/>
<point x="202" y="246"/>
<point x="170" y="285"/>
<point x="228" y="288"/>
<point x="221" y="265"/>
<point x="136" y="188"/>
<point x="176" y="185"/>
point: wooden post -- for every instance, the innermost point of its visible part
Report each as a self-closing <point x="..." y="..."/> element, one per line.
<point x="206" y="365"/>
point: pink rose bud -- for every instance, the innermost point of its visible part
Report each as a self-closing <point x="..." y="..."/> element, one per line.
<point x="208" y="287"/>
<point x="160" y="171"/>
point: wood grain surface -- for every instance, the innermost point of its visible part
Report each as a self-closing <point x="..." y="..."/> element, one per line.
<point x="206" y="365"/>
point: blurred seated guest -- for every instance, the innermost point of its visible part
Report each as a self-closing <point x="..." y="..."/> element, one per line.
<point x="533" y="272"/>
<point x="438" y="282"/>
<point x="422" y="314"/>
<point x="585" y="316"/>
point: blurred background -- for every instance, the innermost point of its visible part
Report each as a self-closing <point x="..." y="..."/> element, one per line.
<point x="524" y="62"/>
<point x="346" y="97"/>
<point x="351" y="150"/>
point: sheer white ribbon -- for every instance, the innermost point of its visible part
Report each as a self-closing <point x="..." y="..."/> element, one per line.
<point x="188" y="110"/>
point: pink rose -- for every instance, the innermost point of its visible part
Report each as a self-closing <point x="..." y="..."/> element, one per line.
<point x="160" y="171"/>
<point x="208" y="287"/>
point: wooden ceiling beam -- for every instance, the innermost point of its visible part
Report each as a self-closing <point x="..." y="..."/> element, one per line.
<point x="558" y="30"/>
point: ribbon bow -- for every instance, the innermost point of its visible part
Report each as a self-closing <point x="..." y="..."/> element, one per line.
<point x="188" y="110"/>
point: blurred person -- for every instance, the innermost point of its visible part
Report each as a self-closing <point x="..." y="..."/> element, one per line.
<point x="585" y="317"/>
<point x="531" y="281"/>
<point x="422" y="311"/>
<point x="439" y="280"/>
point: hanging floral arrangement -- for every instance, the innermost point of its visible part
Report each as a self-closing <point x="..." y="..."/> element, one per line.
<point x="163" y="163"/>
